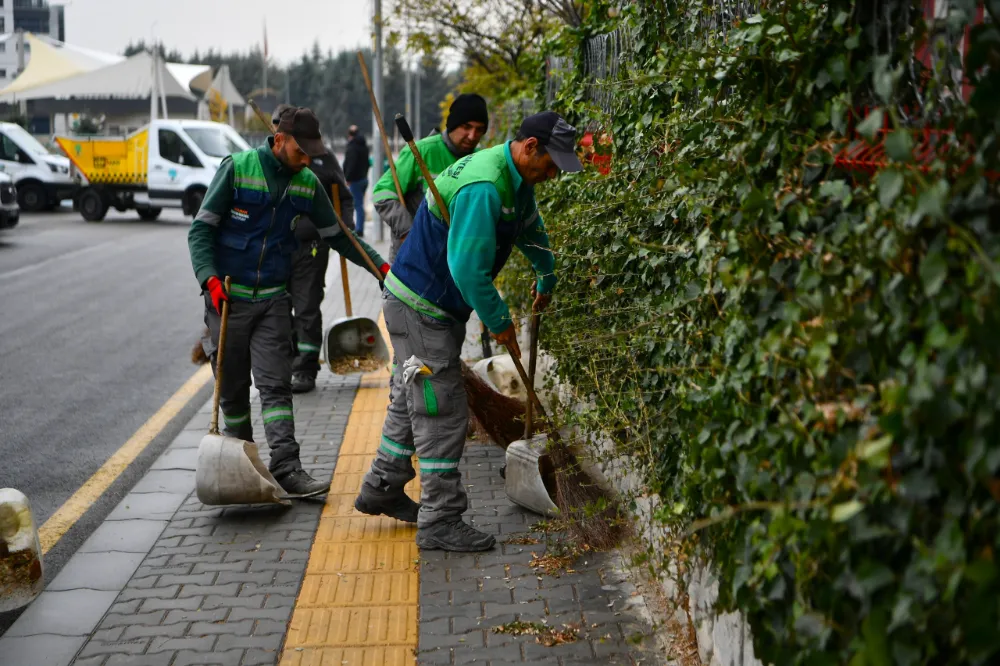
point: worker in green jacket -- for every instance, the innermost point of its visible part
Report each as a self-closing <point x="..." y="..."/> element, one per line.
<point x="467" y="122"/>
<point x="442" y="274"/>
<point x="246" y="230"/>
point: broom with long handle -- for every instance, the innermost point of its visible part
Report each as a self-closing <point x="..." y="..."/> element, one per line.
<point x="595" y="516"/>
<point x="343" y="227"/>
<point x="499" y="415"/>
<point x="381" y="127"/>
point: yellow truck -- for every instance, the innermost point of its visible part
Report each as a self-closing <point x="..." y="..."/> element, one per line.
<point x="167" y="164"/>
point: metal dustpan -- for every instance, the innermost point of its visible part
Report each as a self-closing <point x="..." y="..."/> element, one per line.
<point x="229" y="470"/>
<point x="529" y="477"/>
<point x="355" y="336"/>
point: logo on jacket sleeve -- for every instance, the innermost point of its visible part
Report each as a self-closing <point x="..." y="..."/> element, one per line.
<point x="239" y="215"/>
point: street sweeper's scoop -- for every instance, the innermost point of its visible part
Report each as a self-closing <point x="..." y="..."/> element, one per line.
<point x="353" y="344"/>
<point x="230" y="472"/>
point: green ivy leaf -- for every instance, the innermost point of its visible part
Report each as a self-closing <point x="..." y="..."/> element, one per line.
<point x="872" y="124"/>
<point x="890" y="184"/>
<point x="899" y="146"/>
<point x="933" y="271"/>
<point x="876" y="451"/>
<point x="845" y="511"/>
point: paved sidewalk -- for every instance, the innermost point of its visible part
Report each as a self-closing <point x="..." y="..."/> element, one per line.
<point x="168" y="581"/>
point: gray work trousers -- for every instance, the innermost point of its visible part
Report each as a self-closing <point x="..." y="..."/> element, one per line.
<point x="428" y="416"/>
<point x="307" y="286"/>
<point x="258" y="339"/>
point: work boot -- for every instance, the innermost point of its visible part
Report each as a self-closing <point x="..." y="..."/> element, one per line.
<point x="302" y="382"/>
<point x="298" y="483"/>
<point x="385" y="501"/>
<point x="455" y="535"/>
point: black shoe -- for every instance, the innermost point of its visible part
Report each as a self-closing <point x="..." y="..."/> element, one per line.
<point x="454" y="535"/>
<point x="303" y="383"/>
<point x="298" y="483"/>
<point x="385" y="502"/>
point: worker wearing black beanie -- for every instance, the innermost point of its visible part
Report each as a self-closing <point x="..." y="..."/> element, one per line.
<point x="467" y="123"/>
<point x="465" y="109"/>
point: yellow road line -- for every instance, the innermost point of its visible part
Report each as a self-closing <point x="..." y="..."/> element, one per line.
<point x="66" y="516"/>
<point x="359" y="601"/>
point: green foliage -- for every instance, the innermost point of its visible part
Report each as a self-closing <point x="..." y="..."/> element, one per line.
<point x="803" y="362"/>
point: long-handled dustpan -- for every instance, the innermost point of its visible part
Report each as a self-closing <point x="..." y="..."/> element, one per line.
<point x="352" y="336"/>
<point x="529" y="478"/>
<point x="229" y="470"/>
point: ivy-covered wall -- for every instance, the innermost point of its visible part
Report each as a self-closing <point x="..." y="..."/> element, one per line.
<point x="800" y="357"/>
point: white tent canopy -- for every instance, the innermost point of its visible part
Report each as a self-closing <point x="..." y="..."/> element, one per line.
<point x="131" y="78"/>
<point x="224" y="85"/>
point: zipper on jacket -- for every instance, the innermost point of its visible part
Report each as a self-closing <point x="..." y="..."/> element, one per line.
<point x="263" y="245"/>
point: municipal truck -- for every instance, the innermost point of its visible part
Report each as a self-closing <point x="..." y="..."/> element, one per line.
<point x="166" y="164"/>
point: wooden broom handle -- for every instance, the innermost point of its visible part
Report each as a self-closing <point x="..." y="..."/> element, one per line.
<point x="335" y="196"/>
<point x="381" y="128"/>
<point x="217" y="394"/>
<point x="407" y="134"/>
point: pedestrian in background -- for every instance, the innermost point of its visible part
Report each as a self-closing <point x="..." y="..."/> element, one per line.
<point x="356" y="163"/>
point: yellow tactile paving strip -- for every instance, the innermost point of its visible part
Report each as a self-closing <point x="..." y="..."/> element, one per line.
<point x="358" y="603"/>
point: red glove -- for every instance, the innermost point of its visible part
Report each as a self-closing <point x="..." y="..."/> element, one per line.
<point x="384" y="268"/>
<point x="216" y="292"/>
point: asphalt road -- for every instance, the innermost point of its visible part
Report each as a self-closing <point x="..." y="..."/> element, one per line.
<point x="96" y="327"/>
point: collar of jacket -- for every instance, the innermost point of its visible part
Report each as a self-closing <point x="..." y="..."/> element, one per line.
<point x="452" y="148"/>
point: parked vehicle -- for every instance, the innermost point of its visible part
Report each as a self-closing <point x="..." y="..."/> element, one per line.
<point x="10" y="214"/>
<point x="167" y="164"/>
<point x="42" y="179"/>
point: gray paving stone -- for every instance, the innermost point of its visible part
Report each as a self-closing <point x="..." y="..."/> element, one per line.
<point x="135" y="592"/>
<point x="40" y="649"/>
<point x="120" y="620"/>
<point x="166" y="481"/>
<point x="266" y="642"/>
<point x="158" y="659"/>
<point x="233" y="602"/>
<point x="188" y="603"/>
<point x="129" y="646"/>
<point x="177" y="458"/>
<point x="68" y="613"/>
<point x="97" y="571"/>
<point x="201" y="644"/>
<point x="147" y="631"/>
<point x="130" y="536"/>
<point x="276" y="614"/>
<point x="259" y="657"/>
<point x="154" y="505"/>
<point x="227" y="590"/>
<point x="238" y="628"/>
<point x="188" y="658"/>
<point x="183" y="616"/>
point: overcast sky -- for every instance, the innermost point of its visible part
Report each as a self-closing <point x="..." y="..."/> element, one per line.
<point x="227" y="25"/>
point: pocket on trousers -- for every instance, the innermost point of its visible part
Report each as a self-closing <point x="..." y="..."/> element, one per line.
<point x="433" y="395"/>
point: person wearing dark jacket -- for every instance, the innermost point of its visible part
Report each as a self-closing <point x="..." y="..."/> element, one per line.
<point x="356" y="162"/>
<point x="307" y="282"/>
<point x="245" y="229"/>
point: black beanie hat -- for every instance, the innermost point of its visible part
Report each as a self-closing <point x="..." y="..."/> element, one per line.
<point x="467" y="108"/>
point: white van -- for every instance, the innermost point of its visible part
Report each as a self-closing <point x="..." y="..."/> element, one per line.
<point x="42" y="179"/>
<point x="167" y="164"/>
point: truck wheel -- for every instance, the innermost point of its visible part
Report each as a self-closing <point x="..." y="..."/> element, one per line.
<point x="149" y="214"/>
<point x="93" y="207"/>
<point x="31" y="197"/>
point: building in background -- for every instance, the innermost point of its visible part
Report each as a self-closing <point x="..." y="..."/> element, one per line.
<point x="34" y="16"/>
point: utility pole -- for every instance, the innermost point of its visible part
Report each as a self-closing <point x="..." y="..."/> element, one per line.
<point x="377" y="86"/>
<point x="407" y="81"/>
<point x="152" y="89"/>
<point x="416" y="100"/>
